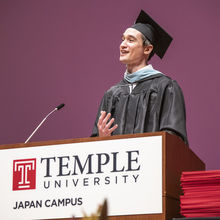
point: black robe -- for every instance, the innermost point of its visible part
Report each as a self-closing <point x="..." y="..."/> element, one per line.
<point x="155" y="104"/>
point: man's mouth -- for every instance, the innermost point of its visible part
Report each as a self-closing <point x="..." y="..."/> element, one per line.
<point x="124" y="52"/>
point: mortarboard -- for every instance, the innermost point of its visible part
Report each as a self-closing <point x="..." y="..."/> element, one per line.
<point x="153" y="32"/>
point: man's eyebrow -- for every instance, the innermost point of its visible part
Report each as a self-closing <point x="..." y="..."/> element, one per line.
<point x="130" y="36"/>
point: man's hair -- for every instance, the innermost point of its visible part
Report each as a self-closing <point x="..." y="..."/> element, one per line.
<point x="146" y="42"/>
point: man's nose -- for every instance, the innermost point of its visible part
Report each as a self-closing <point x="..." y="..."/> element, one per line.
<point x="123" y="44"/>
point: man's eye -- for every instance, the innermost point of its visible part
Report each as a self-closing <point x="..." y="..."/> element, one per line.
<point x="131" y="40"/>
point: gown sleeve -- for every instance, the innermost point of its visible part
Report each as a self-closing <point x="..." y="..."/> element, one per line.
<point x="172" y="113"/>
<point x="102" y="107"/>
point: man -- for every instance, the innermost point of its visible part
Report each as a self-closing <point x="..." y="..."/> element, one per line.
<point x="145" y="100"/>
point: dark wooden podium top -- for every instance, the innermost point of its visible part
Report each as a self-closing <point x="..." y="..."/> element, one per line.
<point x="176" y="158"/>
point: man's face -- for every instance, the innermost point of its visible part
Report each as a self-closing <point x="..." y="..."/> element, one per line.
<point x="132" y="51"/>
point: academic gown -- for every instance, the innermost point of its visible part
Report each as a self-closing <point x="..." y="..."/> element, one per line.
<point x="155" y="104"/>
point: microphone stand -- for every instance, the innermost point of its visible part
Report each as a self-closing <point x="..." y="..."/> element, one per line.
<point x="57" y="108"/>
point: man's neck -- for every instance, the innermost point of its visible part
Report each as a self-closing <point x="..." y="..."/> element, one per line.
<point x="132" y="69"/>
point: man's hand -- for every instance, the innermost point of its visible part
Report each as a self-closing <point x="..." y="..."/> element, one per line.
<point x="104" y="125"/>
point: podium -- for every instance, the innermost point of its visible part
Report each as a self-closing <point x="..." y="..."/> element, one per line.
<point x="175" y="158"/>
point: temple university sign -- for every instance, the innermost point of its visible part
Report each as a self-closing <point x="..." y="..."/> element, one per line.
<point x="63" y="180"/>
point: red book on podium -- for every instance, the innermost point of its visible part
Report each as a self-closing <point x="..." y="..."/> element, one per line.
<point x="201" y="194"/>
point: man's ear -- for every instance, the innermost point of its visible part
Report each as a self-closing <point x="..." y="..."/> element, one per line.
<point x="148" y="49"/>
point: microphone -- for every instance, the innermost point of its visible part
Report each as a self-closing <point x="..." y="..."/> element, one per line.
<point x="57" y="108"/>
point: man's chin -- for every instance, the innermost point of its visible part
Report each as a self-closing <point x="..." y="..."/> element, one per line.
<point x="123" y="60"/>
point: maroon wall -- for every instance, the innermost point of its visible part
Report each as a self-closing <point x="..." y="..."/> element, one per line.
<point x="56" y="51"/>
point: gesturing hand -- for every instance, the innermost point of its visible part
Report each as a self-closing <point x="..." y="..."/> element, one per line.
<point x="104" y="125"/>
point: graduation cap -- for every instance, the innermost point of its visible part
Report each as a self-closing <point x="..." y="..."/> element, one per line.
<point x="159" y="38"/>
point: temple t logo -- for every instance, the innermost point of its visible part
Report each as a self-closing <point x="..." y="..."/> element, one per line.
<point x="24" y="174"/>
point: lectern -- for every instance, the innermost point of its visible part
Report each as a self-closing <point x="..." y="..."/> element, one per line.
<point x="138" y="174"/>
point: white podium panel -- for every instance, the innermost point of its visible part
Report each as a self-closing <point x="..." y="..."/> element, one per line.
<point x="61" y="181"/>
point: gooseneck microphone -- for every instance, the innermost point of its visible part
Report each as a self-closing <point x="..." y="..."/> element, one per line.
<point x="57" y="108"/>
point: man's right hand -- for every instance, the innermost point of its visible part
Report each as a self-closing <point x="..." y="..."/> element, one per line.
<point x="104" y="125"/>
